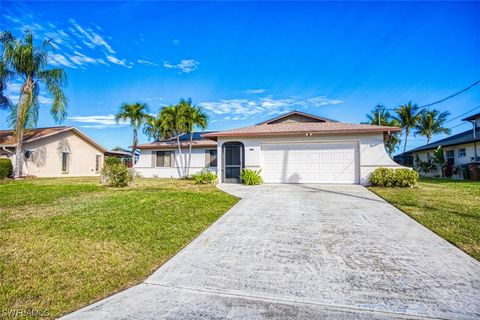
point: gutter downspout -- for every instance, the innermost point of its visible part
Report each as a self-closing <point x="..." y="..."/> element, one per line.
<point x="474" y="123"/>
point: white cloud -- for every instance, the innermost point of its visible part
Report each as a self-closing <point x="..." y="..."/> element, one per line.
<point x="242" y="109"/>
<point x="57" y="59"/>
<point x="44" y="100"/>
<point x="176" y="42"/>
<point x="148" y="63"/>
<point x="76" y="45"/>
<point x="91" y="38"/>
<point x="254" y="91"/>
<point x="96" y="121"/>
<point x="185" y="66"/>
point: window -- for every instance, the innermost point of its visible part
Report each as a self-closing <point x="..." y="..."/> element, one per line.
<point x="462" y="153"/>
<point x="164" y="158"/>
<point x="65" y="162"/>
<point x="213" y="158"/>
<point x="98" y="163"/>
<point x="451" y="157"/>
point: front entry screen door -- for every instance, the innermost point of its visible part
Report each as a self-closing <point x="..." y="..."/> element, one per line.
<point x="233" y="163"/>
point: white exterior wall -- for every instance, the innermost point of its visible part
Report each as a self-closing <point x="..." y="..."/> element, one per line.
<point x="371" y="149"/>
<point x="46" y="159"/>
<point x="147" y="169"/>
<point x="470" y="154"/>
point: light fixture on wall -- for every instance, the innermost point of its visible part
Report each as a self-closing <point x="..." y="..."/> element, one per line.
<point x="308" y="134"/>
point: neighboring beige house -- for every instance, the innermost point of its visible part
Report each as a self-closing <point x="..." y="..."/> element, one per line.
<point x="55" y="152"/>
<point x="460" y="149"/>
<point x="293" y="148"/>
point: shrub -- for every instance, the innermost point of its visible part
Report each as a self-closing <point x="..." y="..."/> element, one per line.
<point x="116" y="175"/>
<point x="111" y="161"/>
<point x="6" y="168"/>
<point x="205" y="177"/>
<point x="383" y="177"/>
<point x="251" y="177"/>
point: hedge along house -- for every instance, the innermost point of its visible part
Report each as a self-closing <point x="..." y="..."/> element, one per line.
<point x="55" y="152"/>
<point x="293" y="148"/>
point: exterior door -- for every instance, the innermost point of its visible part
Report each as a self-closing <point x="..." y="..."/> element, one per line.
<point x="233" y="156"/>
<point x="310" y="163"/>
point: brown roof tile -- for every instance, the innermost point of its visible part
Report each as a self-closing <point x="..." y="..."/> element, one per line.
<point x="299" y="128"/>
<point x="7" y="138"/>
<point x="198" y="143"/>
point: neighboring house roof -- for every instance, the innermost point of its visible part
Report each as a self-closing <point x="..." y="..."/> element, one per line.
<point x="472" y="117"/>
<point x="197" y="142"/>
<point x="318" y="125"/>
<point x="461" y="138"/>
<point x="118" y="153"/>
<point x="8" y="140"/>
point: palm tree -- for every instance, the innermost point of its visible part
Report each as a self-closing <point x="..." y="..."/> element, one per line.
<point x="152" y="127"/>
<point x="28" y="63"/>
<point x="5" y="74"/>
<point x="407" y="116"/>
<point x="136" y="113"/>
<point x="195" y="117"/>
<point x="173" y="124"/>
<point x="381" y="117"/>
<point x="432" y="122"/>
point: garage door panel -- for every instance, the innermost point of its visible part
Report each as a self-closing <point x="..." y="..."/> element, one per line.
<point x="310" y="163"/>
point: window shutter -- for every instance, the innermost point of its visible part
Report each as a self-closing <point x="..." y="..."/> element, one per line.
<point x="172" y="159"/>
<point x="207" y="158"/>
<point x="154" y="155"/>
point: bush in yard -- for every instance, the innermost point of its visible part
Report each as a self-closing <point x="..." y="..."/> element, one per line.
<point x="111" y="161"/>
<point x="116" y="175"/>
<point x="383" y="177"/>
<point x="251" y="177"/>
<point x="205" y="177"/>
<point x="6" y="168"/>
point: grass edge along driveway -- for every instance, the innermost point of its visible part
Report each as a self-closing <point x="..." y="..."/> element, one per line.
<point x="450" y="208"/>
<point x="67" y="242"/>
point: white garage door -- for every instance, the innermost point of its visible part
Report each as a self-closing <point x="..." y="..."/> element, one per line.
<point x="310" y="163"/>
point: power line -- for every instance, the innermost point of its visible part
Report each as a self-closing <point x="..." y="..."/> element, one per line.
<point x="453" y="95"/>
<point x="463" y="114"/>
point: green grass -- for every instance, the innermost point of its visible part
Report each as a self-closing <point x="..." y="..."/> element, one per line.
<point x="450" y="208"/>
<point x="65" y="243"/>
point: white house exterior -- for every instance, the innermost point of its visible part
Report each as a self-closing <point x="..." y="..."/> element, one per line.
<point x="162" y="159"/>
<point x="459" y="150"/>
<point x="293" y="148"/>
<point x="55" y="152"/>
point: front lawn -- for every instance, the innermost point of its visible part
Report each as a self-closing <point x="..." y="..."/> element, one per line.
<point x="67" y="242"/>
<point x="450" y="208"/>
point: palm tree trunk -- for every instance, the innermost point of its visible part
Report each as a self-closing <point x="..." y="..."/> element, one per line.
<point x="134" y="147"/>
<point x="406" y="138"/>
<point x="189" y="153"/>
<point x="180" y="155"/>
<point x="18" y="151"/>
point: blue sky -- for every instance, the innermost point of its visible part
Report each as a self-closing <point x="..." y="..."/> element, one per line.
<point x="248" y="61"/>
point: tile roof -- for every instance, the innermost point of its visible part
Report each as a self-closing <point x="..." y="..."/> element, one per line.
<point x="461" y="138"/>
<point x="200" y="143"/>
<point x="7" y="138"/>
<point x="301" y="127"/>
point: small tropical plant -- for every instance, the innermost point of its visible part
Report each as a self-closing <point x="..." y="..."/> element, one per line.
<point x="384" y="177"/>
<point x="24" y="61"/>
<point x="425" y="166"/>
<point x="6" y="168"/>
<point x="205" y="177"/>
<point x="251" y="177"/>
<point x="439" y="159"/>
<point x="135" y="113"/>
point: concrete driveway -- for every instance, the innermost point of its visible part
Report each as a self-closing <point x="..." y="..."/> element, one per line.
<point x="306" y="252"/>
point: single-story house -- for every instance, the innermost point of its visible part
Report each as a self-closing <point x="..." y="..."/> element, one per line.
<point x="293" y="148"/>
<point x="55" y="152"/>
<point x="460" y="149"/>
